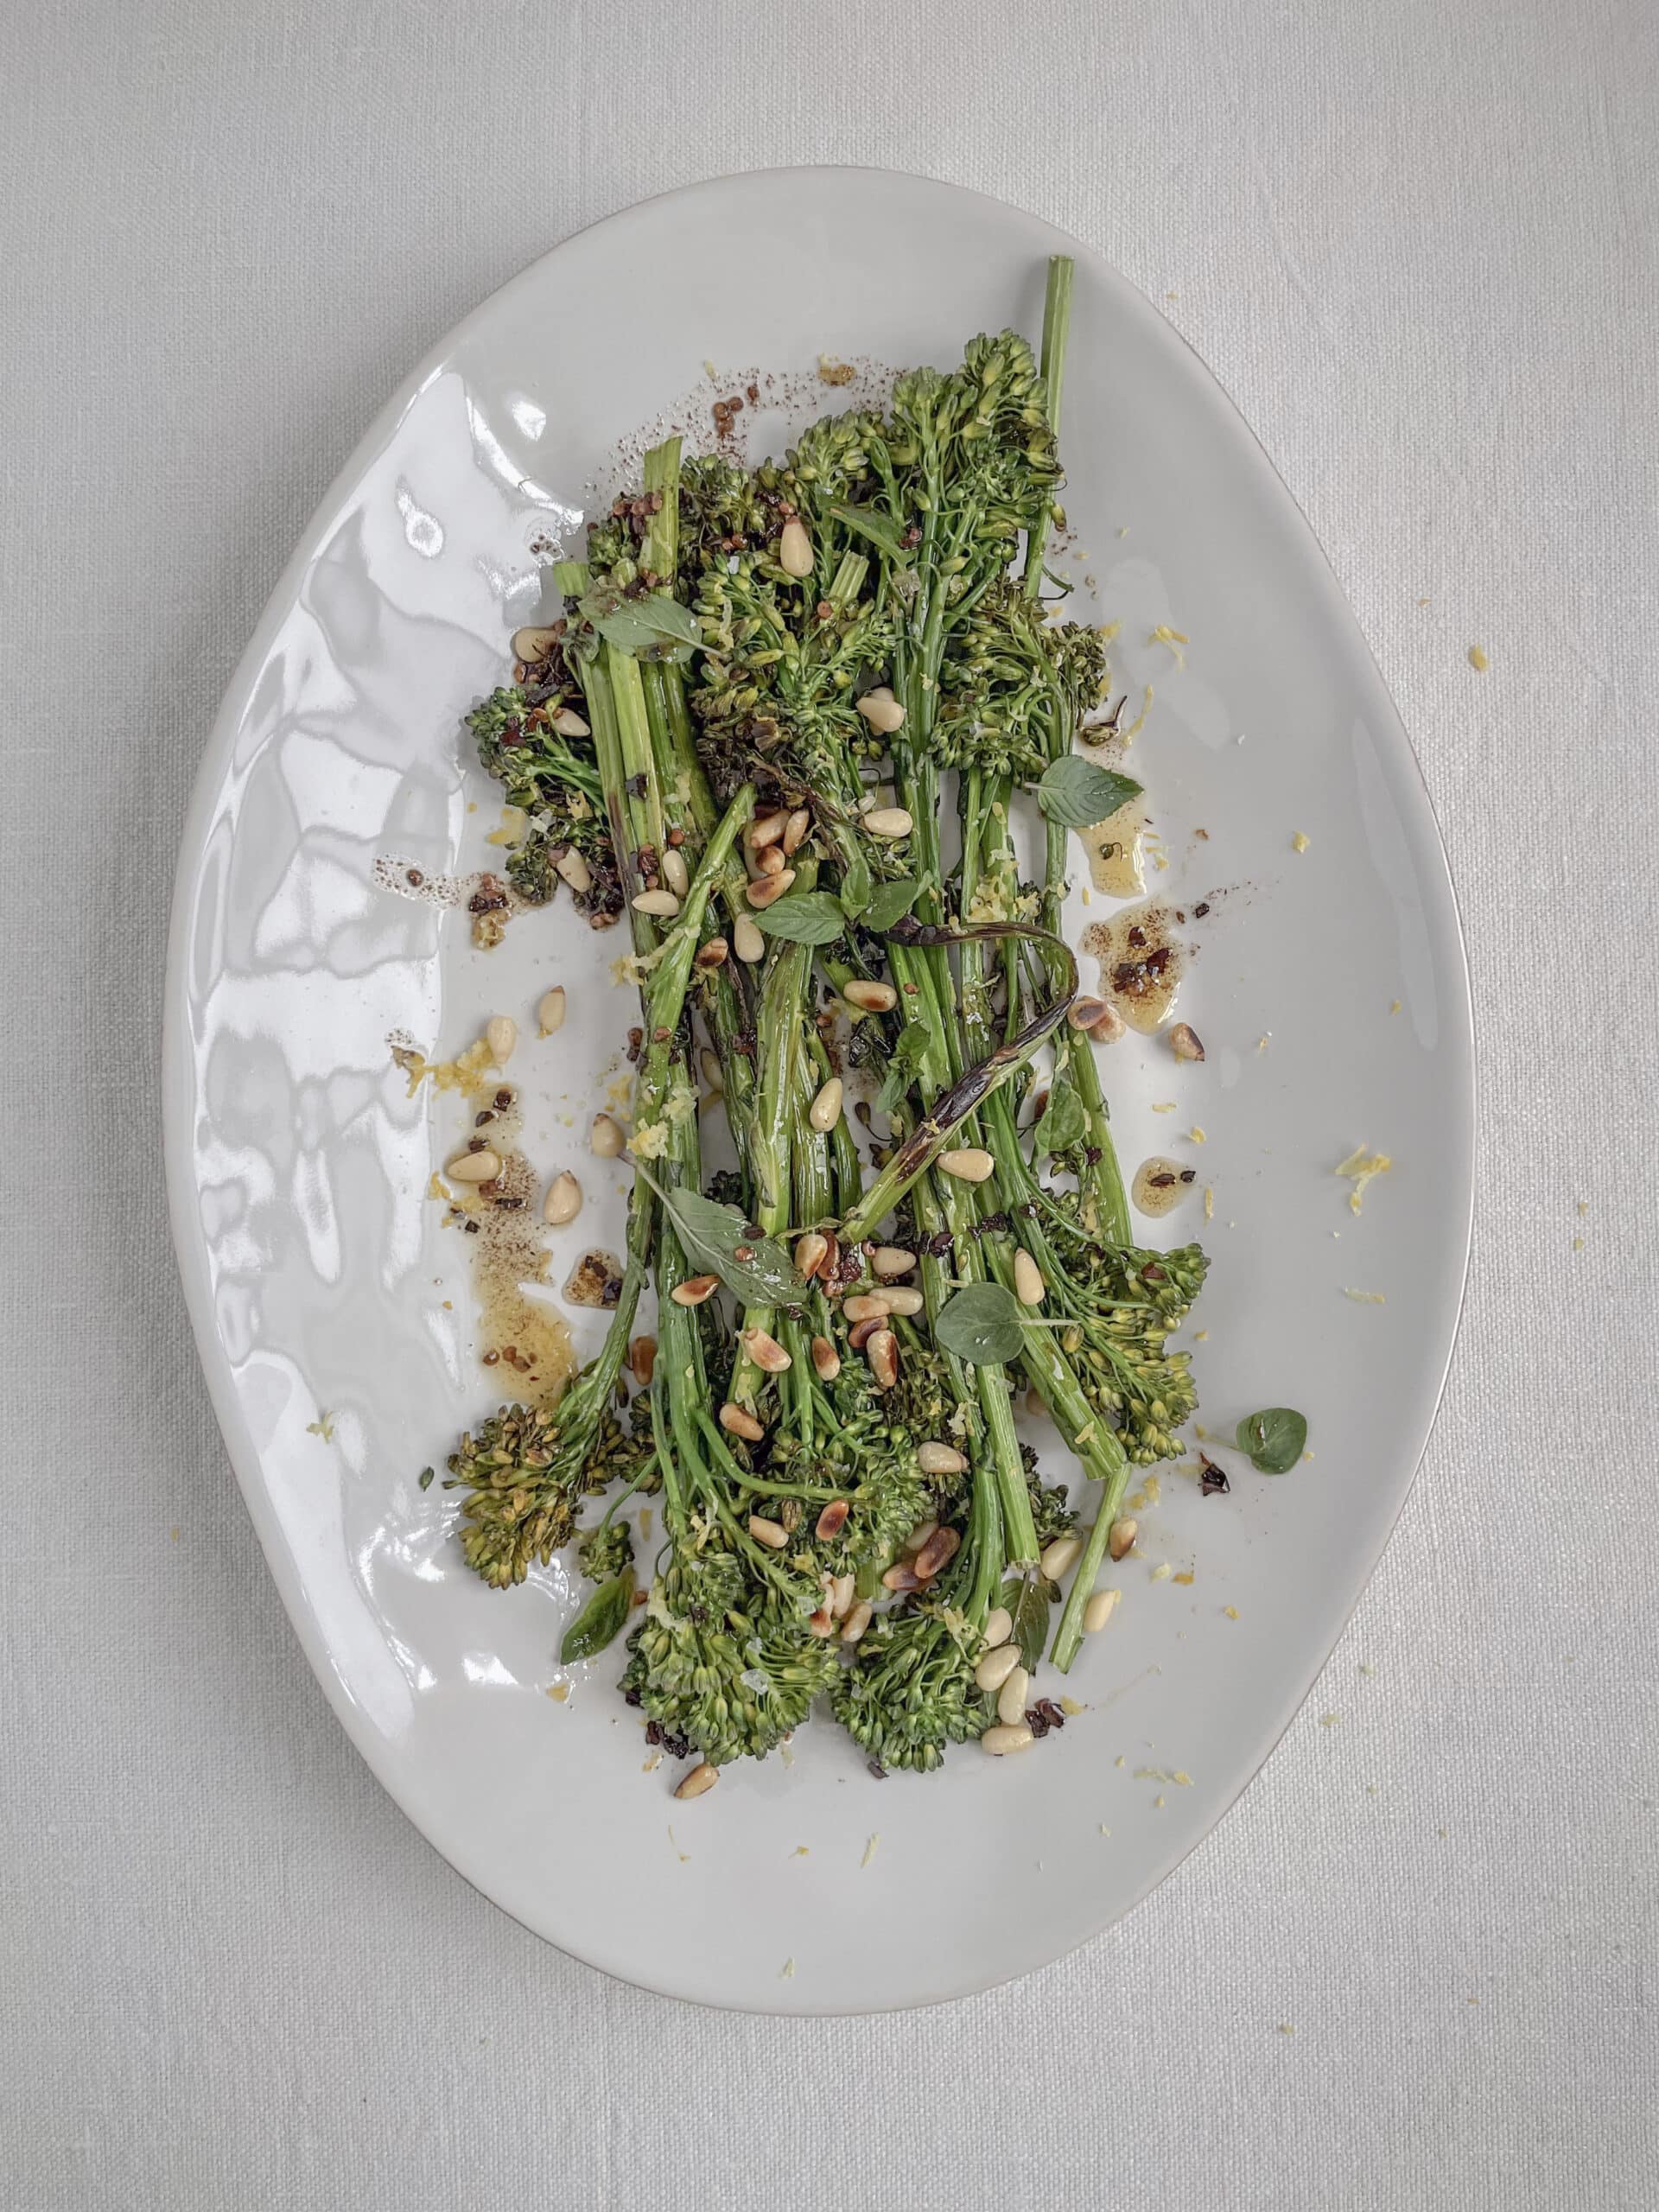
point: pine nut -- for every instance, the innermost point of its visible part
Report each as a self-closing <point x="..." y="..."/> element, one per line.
<point x="995" y="1667"/>
<point x="534" y="644"/>
<point x="826" y="1360"/>
<point x="474" y="1167"/>
<point x="607" y="1137"/>
<point x="1184" y="1043"/>
<point x="568" y="723"/>
<point x="1099" y="1610"/>
<point x="919" y="1535"/>
<point x="795" y="830"/>
<point x="766" y="888"/>
<point x="695" y="1290"/>
<point x="676" y="875"/>
<point x="998" y="1627"/>
<point x="1059" y="1557"/>
<point x="549" y="1014"/>
<point x="832" y="1520"/>
<point x="888" y="1261"/>
<point x="1000" y="1741"/>
<point x="882" y="710"/>
<point x="738" y="1421"/>
<point x="843" y="1588"/>
<point x="772" y="861"/>
<point x="825" y="1110"/>
<point x="810" y="1253"/>
<point x="700" y="1779"/>
<point x="573" y="869"/>
<point x="822" y="1622"/>
<point x="870" y="998"/>
<point x="563" y="1199"/>
<point x="766" y="1351"/>
<point x="642" y="1359"/>
<point x="866" y="1306"/>
<point x="889" y="822"/>
<point x="1120" y="1541"/>
<point x="500" y="1034"/>
<point x="795" y="549"/>
<point x="1110" y="1027"/>
<point x="939" y="1459"/>
<point x="771" y="1533"/>
<point x="857" y="1621"/>
<point x="661" y="903"/>
<point x="713" y="955"/>
<point x="861" y="1332"/>
<point x="1028" y="1285"/>
<point x="1084" y="1011"/>
<point x="901" y="1300"/>
<point x="1011" y="1698"/>
<point x="938" y="1551"/>
<point x="901" y="1579"/>
<point x="766" y="829"/>
<point x="968" y="1164"/>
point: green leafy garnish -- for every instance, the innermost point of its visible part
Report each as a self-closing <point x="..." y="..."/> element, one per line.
<point x="1063" y="1121"/>
<point x="906" y="1058"/>
<point x="652" y="624"/>
<point x="601" y="1620"/>
<point x="716" y="1240"/>
<point x="1030" y="1614"/>
<point x="1274" y="1438"/>
<point x="1073" y="791"/>
<point x="982" y="1325"/>
<point x="802" y="917"/>
<point x="887" y="904"/>
<point x="882" y="531"/>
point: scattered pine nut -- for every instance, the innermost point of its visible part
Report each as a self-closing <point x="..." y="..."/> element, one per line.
<point x="903" y="1300"/>
<point x="843" y="1589"/>
<point x="642" y="1359"/>
<point x="870" y="998"/>
<point x="1084" y="1011"/>
<point x="766" y="888"/>
<point x="771" y="1533"/>
<point x="695" y="1290"/>
<point x="765" y="829"/>
<point x="746" y="941"/>
<point x="712" y="954"/>
<point x="868" y="1306"/>
<point x="662" y="904"/>
<point x="795" y="549"/>
<point x="822" y="1622"/>
<point x="1099" y="1610"/>
<point x="1028" y="1285"/>
<point x="773" y="861"/>
<point x="573" y="869"/>
<point x="882" y="710"/>
<point x="826" y="1360"/>
<point x="810" y="1253"/>
<point x="882" y="1353"/>
<point x="999" y="1626"/>
<point x="994" y="1666"/>
<point x="795" y="830"/>
<point x="700" y="1779"/>
<point x="474" y="1167"/>
<point x="938" y="1551"/>
<point x="1001" y="1740"/>
<point x="766" y="1351"/>
<point x="676" y="875"/>
<point x="888" y="1261"/>
<point x="1059" y="1557"/>
<point x="738" y="1421"/>
<point x="568" y="723"/>
<point x="903" y="1578"/>
<point x="500" y="1034"/>
<point x="889" y="822"/>
<point x="1110" y="1027"/>
<point x="825" y="1110"/>
<point x="1120" y="1541"/>
<point x="549" y="1014"/>
<point x="939" y="1459"/>
<point x="857" y="1621"/>
<point x="968" y="1164"/>
<point x="607" y="1137"/>
<point x="563" y="1199"/>
<point x="1011" y="1698"/>
<point x="1184" y="1042"/>
<point x="533" y="645"/>
<point x="919" y="1535"/>
<point x="832" y="1520"/>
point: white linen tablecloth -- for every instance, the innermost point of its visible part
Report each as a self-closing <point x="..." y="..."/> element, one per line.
<point x="1418" y="242"/>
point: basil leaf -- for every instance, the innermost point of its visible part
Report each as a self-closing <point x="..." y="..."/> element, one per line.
<point x="1030" y="1614"/>
<point x="1073" y="791"/>
<point x="714" y="1237"/>
<point x="889" y="903"/>
<point x="903" y="1062"/>
<point x="802" y="917"/>
<point x="600" y="1619"/>
<point x="982" y="1325"/>
<point x="1063" y="1121"/>
<point x="882" y="531"/>
<point x="1274" y="1438"/>
<point x="650" y="624"/>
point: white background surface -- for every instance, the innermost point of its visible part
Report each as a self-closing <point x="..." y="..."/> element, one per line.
<point x="1417" y="243"/>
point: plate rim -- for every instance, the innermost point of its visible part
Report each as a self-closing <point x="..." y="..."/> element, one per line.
<point x="178" y="1094"/>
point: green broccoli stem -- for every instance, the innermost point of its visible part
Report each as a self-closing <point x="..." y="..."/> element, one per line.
<point x="1068" y="1637"/>
<point x="1056" y="324"/>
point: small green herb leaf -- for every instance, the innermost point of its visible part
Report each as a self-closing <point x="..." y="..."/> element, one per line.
<point x="427" y="1473"/>
<point x="1274" y="1438"/>
<point x="717" y="1242"/>
<point x="982" y="1325"/>
<point x="906" y="1058"/>
<point x="653" y="624"/>
<point x="1073" y="791"/>
<point x="1063" y="1121"/>
<point x="882" y="531"/>
<point x="803" y="917"/>
<point x="1030" y="1612"/>
<point x="889" y="903"/>
<point x="600" y="1619"/>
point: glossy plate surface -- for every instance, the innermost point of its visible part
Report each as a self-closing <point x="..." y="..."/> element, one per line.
<point x="321" y="1280"/>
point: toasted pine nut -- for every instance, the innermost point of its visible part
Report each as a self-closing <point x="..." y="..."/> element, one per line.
<point x="766" y="888"/>
<point x="998" y="1627"/>
<point x="1000" y="1741"/>
<point x="700" y="1779"/>
<point x="919" y="1535"/>
<point x="994" y="1666"/>
<point x="773" y="861"/>
<point x="810" y="1253"/>
<point x="1099" y="1610"/>
<point x="766" y="1351"/>
<point x="795" y="549"/>
<point x="676" y="875"/>
<point x="870" y="998"/>
<point x="1028" y="1285"/>
<point x="1110" y="1027"/>
<point x="771" y="1533"/>
<point x="642" y="1359"/>
<point x="882" y="710"/>
<point x="902" y="1300"/>
<point x="746" y="941"/>
<point x="888" y="1261"/>
<point x="1011" y="1698"/>
<point x="939" y="1459"/>
<point x="1085" y="1011"/>
<point x="843" y="1588"/>
<point x="938" y="1551"/>
<point x="825" y="1110"/>
<point x="823" y="1623"/>
<point x="500" y="1034"/>
<point x="969" y="1164"/>
<point x="866" y="1306"/>
<point x="662" y="903"/>
<point x="1120" y="1541"/>
<point x="607" y="1137"/>
<point x="1059" y="1557"/>
<point x="795" y="830"/>
<point x="889" y="822"/>
<point x="1184" y="1042"/>
<point x="712" y="954"/>
<point x="568" y="723"/>
<point x="861" y="1332"/>
<point x="563" y="1199"/>
<point x="573" y="869"/>
<point x="901" y="1578"/>
<point x="832" y="1520"/>
<point x="695" y="1290"/>
<point x="738" y="1421"/>
<point x="826" y="1360"/>
<point x="534" y="644"/>
<point x="549" y="1014"/>
<point x="766" y="829"/>
<point x="857" y="1621"/>
<point x="474" y="1167"/>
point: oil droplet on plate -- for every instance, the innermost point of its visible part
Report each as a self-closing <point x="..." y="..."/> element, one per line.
<point x="1160" y="1185"/>
<point x="1114" y="847"/>
<point x="1141" y="963"/>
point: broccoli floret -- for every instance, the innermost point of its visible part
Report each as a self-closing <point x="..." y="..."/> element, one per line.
<point x="910" y="1692"/>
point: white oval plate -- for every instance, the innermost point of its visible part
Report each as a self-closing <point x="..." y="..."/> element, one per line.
<point x="317" y="1270"/>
